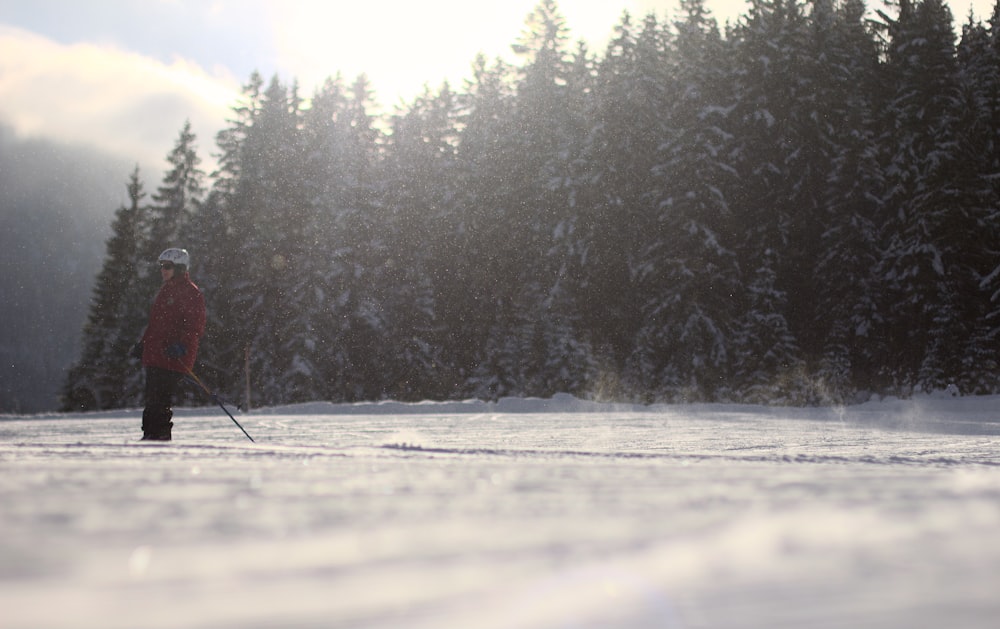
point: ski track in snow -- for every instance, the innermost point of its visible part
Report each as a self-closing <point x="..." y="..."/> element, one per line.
<point x="519" y="515"/>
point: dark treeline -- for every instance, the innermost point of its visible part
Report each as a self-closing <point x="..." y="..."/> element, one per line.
<point x="798" y="209"/>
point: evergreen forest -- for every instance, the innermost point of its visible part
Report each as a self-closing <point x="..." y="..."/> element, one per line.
<point x="800" y="207"/>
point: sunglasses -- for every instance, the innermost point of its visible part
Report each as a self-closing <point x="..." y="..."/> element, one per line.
<point x="167" y="265"/>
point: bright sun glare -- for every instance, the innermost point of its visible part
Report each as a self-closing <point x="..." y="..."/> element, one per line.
<point x="400" y="46"/>
<point x="403" y="45"/>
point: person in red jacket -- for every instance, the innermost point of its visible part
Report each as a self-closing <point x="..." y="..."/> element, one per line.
<point x="169" y="345"/>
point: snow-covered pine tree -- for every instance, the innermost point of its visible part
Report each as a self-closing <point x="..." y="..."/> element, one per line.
<point x="421" y="228"/>
<point x="779" y="159"/>
<point x="925" y="264"/>
<point x="177" y="199"/>
<point x="846" y="317"/>
<point x="258" y="197"/>
<point x="318" y="284"/>
<point x="100" y="379"/>
<point x="534" y="349"/>
<point x="482" y="251"/>
<point x="612" y="195"/>
<point x="342" y="308"/>
<point x="981" y="70"/>
<point x="686" y="265"/>
<point x="768" y="367"/>
<point x="553" y="92"/>
<point x="979" y="74"/>
<point x="514" y="149"/>
<point x="273" y="195"/>
<point x="218" y="232"/>
<point x="545" y="133"/>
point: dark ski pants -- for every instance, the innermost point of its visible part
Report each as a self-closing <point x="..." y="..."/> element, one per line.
<point x="161" y="384"/>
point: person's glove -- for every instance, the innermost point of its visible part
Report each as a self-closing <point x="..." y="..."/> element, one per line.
<point x="175" y="350"/>
<point x="136" y="351"/>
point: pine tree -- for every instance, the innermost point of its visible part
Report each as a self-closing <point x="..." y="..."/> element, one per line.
<point x="534" y="167"/>
<point x="981" y="68"/>
<point x="346" y="322"/>
<point x="612" y="197"/>
<point x="924" y="264"/>
<point x="319" y="354"/>
<point x="100" y="379"/>
<point x="776" y="204"/>
<point x="421" y="229"/>
<point x="176" y="200"/>
<point x="271" y="194"/>
<point x="687" y="268"/>
<point x="484" y="243"/>
<point x="846" y="316"/>
<point x="978" y="57"/>
<point x="218" y="232"/>
<point x="259" y="207"/>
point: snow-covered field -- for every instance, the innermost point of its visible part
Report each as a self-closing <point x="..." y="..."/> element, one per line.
<point x="518" y="515"/>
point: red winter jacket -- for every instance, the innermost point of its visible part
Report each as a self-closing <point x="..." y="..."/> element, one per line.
<point x="177" y="316"/>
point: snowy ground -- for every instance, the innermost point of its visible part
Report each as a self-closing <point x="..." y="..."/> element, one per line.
<point x="519" y="515"/>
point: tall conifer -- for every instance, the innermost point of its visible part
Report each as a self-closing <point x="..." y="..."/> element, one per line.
<point x="99" y="380"/>
<point x="687" y="268"/>
<point x="924" y="264"/>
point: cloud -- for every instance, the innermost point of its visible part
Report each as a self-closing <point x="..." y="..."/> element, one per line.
<point x="125" y="103"/>
<point x="105" y="76"/>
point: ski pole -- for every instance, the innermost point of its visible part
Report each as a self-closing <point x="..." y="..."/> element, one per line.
<point x="218" y="396"/>
<point x="217" y="401"/>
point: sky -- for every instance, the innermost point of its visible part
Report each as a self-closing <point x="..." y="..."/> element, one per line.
<point x="124" y="75"/>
